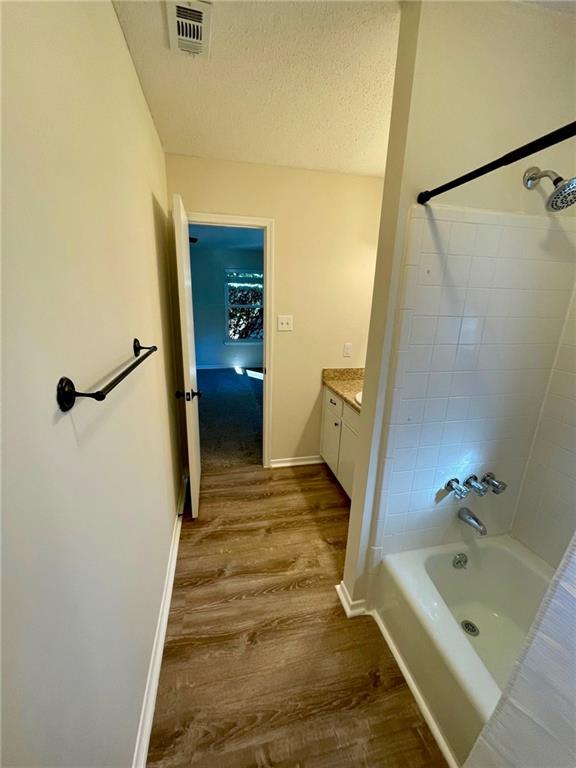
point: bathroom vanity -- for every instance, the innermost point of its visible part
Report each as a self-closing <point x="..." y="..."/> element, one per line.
<point x="341" y="421"/>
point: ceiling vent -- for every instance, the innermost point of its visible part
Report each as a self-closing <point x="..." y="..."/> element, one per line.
<point x="189" y="26"/>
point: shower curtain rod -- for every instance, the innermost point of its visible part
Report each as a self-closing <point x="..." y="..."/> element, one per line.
<point x="560" y="134"/>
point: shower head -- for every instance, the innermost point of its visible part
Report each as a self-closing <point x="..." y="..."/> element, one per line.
<point x="564" y="193"/>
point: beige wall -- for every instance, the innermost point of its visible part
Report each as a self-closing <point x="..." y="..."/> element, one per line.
<point x="326" y="226"/>
<point x="490" y="76"/>
<point x="90" y="496"/>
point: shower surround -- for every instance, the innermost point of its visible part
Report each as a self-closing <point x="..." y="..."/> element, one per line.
<point x="483" y="301"/>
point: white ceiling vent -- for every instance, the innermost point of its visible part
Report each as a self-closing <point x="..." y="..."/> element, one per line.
<point x="189" y="26"/>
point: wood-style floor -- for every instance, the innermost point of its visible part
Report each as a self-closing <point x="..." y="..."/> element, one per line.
<point x="261" y="667"/>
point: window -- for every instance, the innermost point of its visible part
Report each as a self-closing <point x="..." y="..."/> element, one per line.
<point x="244" y="306"/>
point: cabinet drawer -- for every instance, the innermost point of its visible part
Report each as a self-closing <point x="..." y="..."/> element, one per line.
<point x="332" y="403"/>
<point x="351" y="418"/>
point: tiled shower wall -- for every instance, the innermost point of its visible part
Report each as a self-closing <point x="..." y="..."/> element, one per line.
<point x="546" y="515"/>
<point x="483" y="302"/>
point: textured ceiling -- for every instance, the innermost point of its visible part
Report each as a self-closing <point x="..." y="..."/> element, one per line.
<point x="305" y="84"/>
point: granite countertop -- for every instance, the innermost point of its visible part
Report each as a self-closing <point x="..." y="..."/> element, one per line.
<point x="344" y="382"/>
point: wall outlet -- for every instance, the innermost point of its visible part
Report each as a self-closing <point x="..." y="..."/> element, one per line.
<point x="347" y="350"/>
<point x="285" y="322"/>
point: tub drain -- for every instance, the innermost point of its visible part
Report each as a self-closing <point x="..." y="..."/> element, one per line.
<point x="469" y="627"/>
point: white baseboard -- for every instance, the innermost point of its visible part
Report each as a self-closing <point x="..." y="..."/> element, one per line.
<point x="422" y="706"/>
<point x="149" y="701"/>
<point x="351" y="607"/>
<point x="297" y="461"/>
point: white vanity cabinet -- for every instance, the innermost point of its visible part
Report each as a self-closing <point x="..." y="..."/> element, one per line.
<point x="339" y="438"/>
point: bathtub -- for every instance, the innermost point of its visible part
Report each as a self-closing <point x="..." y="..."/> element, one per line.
<point x="419" y="601"/>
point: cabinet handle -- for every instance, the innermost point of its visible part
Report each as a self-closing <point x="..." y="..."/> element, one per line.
<point x="336" y="424"/>
<point x="333" y="401"/>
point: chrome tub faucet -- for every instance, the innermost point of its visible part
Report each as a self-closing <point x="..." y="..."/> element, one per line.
<point x="468" y="517"/>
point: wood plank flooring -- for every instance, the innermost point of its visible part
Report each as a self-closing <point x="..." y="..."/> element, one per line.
<point x="261" y="668"/>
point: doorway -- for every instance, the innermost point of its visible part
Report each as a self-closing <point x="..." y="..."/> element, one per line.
<point x="230" y="264"/>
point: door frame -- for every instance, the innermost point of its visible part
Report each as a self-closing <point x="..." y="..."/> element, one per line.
<point x="267" y="225"/>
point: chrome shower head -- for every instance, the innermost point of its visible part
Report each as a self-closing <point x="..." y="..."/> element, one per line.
<point x="564" y="193"/>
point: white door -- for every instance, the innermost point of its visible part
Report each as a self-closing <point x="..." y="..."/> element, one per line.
<point x="188" y="350"/>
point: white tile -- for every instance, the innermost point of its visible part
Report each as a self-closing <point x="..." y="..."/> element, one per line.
<point x="536" y="330"/>
<point x="486" y="297"/>
<point x="471" y="330"/>
<point x="404" y="459"/>
<point x="462" y="238"/>
<point x="494" y="331"/>
<point x="405" y="435"/>
<point x="401" y="482"/>
<point x="410" y="412"/>
<point x="426" y="299"/>
<point x="563" y="384"/>
<point x="423" y="479"/>
<point x="450" y="457"/>
<point x="487" y="240"/>
<point x="419" y="358"/>
<point x="398" y="503"/>
<point x="431" y="434"/>
<point x="435" y="409"/>
<point x="452" y="301"/>
<point x="457" y="270"/>
<point x="423" y="330"/>
<point x="435" y="236"/>
<point x="415" y="385"/>
<point x="432" y="269"/>
<point x="466" y="357"/>
<point x="422" y="519"/>
<point x="421" y="499"/>
<point x="566" y="359"/>
<point x="453" y="432"/>
<point x="394" y="524"/>
<point x="482" y="273"/>
<point x="476" y="302"/>
<point x="443" y="357"/>
<point x="427" y="457"/>
<point x="439" y="384"/>
<point x="448" y="330"/>
<point x="549" y="303"/>
<point x="457" y="408"/>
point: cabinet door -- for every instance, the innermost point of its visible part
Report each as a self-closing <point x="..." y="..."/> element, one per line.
<point x="330" y="440"/>
<point x="347" y="458"/>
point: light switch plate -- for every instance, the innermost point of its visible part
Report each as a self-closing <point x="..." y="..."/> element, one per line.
<point x="285" y="322"/>
<point x="347" y="350"/>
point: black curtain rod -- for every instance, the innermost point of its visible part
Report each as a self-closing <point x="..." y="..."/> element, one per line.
<point x="66" y="392"/>
<point x="560" y="134"/>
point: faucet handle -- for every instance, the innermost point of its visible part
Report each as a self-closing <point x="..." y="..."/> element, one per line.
<point x="459" y="490"/>
<point x="496" y="486"/>
<point x="479" y="488"/>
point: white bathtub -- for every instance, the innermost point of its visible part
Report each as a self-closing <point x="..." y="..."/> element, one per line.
<point x="419" y="600"/>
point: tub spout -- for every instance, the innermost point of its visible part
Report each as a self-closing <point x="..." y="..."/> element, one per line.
<point x="468" y="517"/>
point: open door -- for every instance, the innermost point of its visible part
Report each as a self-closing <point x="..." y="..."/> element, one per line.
<point x="190" y="393"/>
